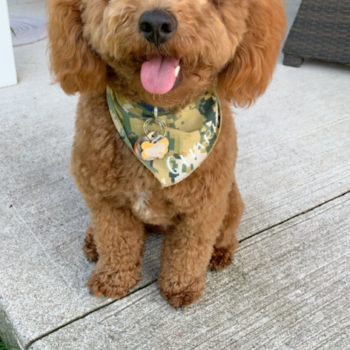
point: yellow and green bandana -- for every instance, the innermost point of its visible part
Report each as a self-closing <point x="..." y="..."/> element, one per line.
<point x="192" y="133"/>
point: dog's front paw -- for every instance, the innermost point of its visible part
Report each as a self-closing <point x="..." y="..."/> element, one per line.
<point x="220" y="258"/>
<point x="182" y="295"/>
<point x="113" y="284"/>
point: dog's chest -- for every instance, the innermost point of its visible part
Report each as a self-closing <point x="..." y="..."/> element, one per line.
<point x="141" y="205"/>
<point x="152" y="209"/>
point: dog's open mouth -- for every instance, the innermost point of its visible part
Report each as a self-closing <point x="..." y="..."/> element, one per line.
<point x="159" y="74"/>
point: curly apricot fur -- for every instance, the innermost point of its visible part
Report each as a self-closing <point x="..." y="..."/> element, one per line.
<point x="231" y="44"/>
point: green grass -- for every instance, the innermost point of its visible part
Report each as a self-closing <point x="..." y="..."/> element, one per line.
<point x="4" y="346"/>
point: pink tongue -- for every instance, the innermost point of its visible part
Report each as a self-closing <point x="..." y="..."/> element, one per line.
<point x="158" y="76"/>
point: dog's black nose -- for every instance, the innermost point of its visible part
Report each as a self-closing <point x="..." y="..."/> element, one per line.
<point x="157" y="26"/>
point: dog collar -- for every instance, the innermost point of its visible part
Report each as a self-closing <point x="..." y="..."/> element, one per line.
<point x="192" y="133"/>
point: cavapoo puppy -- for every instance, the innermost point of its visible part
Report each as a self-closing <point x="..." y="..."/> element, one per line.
<point x="155" y="142"/>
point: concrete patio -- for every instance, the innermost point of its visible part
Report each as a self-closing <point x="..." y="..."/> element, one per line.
<point x="289" y="286"/>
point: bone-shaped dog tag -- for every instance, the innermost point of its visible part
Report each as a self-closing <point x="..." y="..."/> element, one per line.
<point x="151" y="147"/>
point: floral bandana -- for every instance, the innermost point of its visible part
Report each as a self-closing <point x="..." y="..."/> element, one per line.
<point x="192" y="133"/>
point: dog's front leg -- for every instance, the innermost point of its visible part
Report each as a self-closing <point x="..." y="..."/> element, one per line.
<point x="185" y="257"/>
<point x="120" y="240"/>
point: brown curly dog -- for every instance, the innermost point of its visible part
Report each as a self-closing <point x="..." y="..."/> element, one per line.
<point x="165" y="54"/>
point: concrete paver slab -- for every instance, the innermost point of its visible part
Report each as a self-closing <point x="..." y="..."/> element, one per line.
<point x="288" y="289"/>
<point x="294" y="155"/>
<point x="294" y="144"/>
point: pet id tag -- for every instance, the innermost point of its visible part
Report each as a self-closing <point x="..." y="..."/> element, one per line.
<point x="153" y="145"/>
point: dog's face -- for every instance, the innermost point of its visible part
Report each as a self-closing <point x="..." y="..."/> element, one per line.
<point x="165" y="47"/>
<point x="165" y="51"/>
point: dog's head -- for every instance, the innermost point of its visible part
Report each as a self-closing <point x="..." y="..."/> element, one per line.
<point x="166" y="51"/>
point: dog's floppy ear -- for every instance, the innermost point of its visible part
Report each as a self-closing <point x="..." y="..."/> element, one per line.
<point x="248" y="74"/>
<point x="73" y="62"/>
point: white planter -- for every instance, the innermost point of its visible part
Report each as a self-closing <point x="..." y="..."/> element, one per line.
<point x="7" y="61"/>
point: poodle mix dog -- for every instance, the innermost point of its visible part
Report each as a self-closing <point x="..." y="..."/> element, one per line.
<point x="155" y="141"/>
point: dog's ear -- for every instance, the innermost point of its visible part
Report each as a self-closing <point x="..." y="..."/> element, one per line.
<point x="248" y="74"/>
<point x="75" y="65"/>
